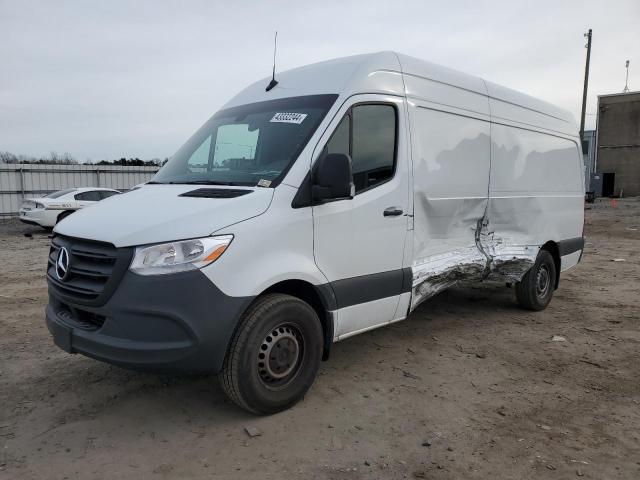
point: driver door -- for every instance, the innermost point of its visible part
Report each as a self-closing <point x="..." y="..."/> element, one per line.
<point x="359" y="242"/>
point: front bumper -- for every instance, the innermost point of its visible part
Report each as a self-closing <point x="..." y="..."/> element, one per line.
<point x="29" y="221"/>
<point x="175" y="322"/>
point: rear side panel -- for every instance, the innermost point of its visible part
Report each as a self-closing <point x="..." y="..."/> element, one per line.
<point x="535" y="196"/>
<point x="493" y="182"/>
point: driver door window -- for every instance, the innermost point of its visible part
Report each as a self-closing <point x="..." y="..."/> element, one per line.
<point x="368" y="134"/>
<point x="340" y="140"/>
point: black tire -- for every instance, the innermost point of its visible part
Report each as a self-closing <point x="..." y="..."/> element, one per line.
<point x="286" y="327"/>
<point x="63" y="215"/>
<point x="536" y="288"/>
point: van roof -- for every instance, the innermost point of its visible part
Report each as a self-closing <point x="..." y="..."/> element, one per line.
<point x="381" y="73"/>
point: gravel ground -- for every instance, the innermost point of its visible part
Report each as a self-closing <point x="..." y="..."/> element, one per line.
<point x="470" y="386"/>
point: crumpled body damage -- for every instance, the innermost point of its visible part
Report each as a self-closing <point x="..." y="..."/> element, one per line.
<point x="487" y="255"/>
<point x="496" y="261"/>
<point x="487" y="195"/>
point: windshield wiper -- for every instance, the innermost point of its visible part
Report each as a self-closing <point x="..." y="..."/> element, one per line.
<point x="193" y="182"/>
<point x="205" y="182"/>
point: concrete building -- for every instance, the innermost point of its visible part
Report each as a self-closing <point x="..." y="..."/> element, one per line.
<point x="618" y="144"/>
<point x="589" y="159"/>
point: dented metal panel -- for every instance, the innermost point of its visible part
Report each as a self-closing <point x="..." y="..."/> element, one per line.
<point x="491" y="258"/>
<point x="439" y="272"/>
<point x="451" y="176"/>
<point x="487" y="196"/>
<point x="536" y="192"/>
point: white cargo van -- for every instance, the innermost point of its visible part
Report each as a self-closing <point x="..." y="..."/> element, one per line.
<point x="328" y="205"/>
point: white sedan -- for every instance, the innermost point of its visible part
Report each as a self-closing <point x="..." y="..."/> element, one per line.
<point x="48" y="210"/>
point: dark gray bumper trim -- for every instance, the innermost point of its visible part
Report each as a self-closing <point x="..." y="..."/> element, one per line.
<point x="368" y="288"/>
<point x="178" y="322"/>
<point x="572" y="245"/>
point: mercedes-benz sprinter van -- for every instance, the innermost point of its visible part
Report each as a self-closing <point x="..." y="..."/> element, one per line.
<point x="328" y="205"/>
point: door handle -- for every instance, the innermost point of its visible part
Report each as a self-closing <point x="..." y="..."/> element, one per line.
<point x="392" y="212"/>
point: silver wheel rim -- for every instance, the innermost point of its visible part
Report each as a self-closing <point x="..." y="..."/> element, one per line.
<point x="543" y="281"/>
<point x="279" y="355"/>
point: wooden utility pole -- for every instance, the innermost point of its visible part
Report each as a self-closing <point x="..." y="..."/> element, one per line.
<point x="586" y="84"/>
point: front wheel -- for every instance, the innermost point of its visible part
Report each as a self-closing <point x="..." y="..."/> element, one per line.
<point x="274" y="355"/>
<point x="536" y="288"/>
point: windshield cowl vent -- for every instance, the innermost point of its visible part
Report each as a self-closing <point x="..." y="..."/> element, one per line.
<point x="215" y="193"/>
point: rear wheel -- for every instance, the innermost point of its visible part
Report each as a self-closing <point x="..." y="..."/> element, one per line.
<point x="274" y="355"/>
<point x="536" y="288"/>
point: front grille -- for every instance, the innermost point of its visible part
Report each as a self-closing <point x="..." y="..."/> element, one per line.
<point x="79" y="318"/>
<point x="91" y="269"/>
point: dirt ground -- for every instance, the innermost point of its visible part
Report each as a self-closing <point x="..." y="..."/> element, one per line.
<point x="470" y="386"/>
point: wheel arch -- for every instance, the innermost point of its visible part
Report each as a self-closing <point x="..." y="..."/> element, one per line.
<point x="552" y="248"/>
<point x="320" y="298"/>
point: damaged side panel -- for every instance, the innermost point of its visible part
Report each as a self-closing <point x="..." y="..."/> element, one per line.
<point x="534" y="196"/>
<point x="488" y="192"/>
<point x="451" y="177"/>
<point x="440" y="272"/>
<point x="495" y="261"/>
<point x="524" y="208"/>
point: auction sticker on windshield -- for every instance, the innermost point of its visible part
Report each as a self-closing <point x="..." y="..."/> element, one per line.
<point x="289" y="118"/>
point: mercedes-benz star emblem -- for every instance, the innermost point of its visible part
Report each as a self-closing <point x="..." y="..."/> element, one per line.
<point x="62" y="264"/>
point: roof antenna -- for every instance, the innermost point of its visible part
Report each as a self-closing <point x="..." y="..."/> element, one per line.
<point x="273" y="81"/>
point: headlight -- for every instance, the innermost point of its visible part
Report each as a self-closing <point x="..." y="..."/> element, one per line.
<point x="179" y="256"/>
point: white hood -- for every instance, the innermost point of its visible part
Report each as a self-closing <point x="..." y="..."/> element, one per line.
<point x="156" y="213"/>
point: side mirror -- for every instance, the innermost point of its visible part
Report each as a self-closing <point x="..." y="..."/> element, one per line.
<point x="333" y="178"/>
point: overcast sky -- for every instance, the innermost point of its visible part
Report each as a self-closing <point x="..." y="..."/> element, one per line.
<point x="104" y="80"/>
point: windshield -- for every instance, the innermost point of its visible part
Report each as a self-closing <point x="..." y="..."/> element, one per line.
<point x="250" y="145"/>
<point x="60" y="193"/>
